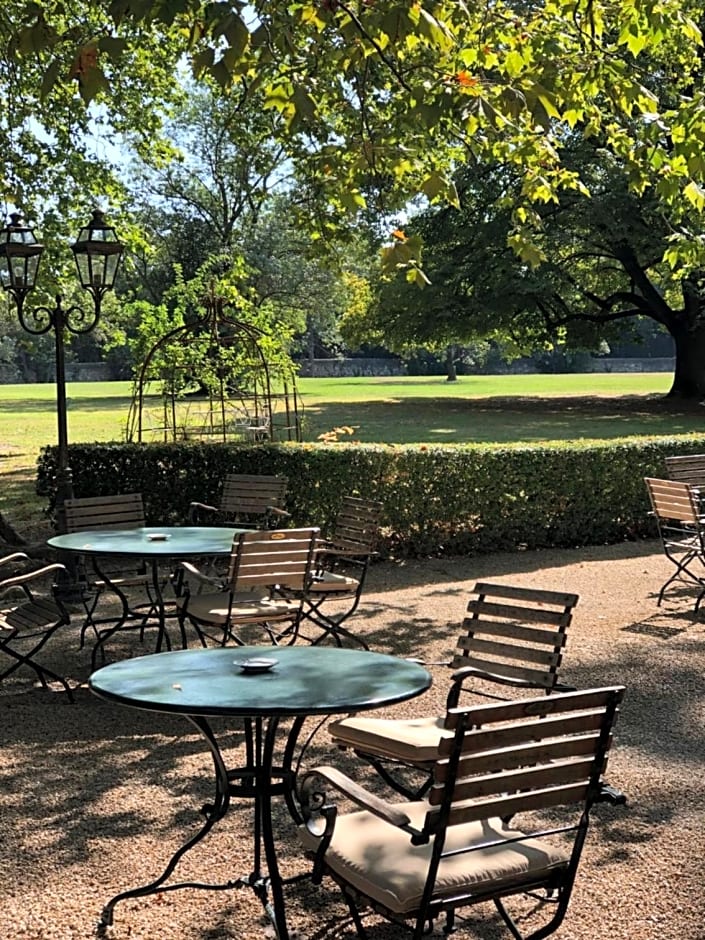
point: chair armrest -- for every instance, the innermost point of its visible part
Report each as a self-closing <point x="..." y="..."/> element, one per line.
<point x="15" y="556"/>
<point x="21" y="580"/>
<point x="313" y="798"/>
<point x="332" y="552"/>
<point x="467" y="672"/>
<point x="200" y="576"/>
<point x="471" y="672"/>
<point x="278" y="511"/>
<point x="195" y="508"/>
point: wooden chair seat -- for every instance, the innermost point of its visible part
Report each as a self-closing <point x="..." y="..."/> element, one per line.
<point x="398" y="879"/>
<point x="513" y="787"/>
<point x="329" y="582"/>
<point x="268" y="576"/>
<point x="223" y="607"/>
<point x="513" y="642"/>
<point x="410" y="741"/>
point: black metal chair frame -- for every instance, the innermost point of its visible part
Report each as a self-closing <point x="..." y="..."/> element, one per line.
<point x="118" y="511"/>
<point x="681" y="528"/>
<point x="267" y="579"/>
<point x="342" y="561"/>
<point x="504" y="764"/>
<point x="28" y="625"/>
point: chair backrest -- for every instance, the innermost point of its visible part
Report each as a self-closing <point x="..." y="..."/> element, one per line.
<point x="525" y="755"/>
<point x="251" y="497"/>
<point x="687" y="469"/>
<point x="516" y="633"/>
<point x="122" y="511"/>
<point x="356" y="527"/>
<point x="672" y="500"/>
<point x="268" y="558"/>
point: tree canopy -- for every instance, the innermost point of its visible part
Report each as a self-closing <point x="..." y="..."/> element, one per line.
<point x="374" y="106"/>
<point x="376" y="102"/>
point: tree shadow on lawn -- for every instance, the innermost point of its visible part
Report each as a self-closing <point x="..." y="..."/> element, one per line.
<point x="504" y="420"/>
<point x="74" y="403"/>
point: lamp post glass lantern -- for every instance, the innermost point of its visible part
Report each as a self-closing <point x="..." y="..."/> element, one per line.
<point x="97" y="253"/>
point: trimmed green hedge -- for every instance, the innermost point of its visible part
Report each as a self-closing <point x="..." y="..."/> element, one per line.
<point x="455" y="500"/>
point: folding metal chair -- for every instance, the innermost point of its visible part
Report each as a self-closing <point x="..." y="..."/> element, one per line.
<point x="247" y="501"/>
<point x="263" y="565"/>
<point x="689" y="468"/>
<point x="109" y="576"/>
<point x="27" y="624"/>
<point x="342" y="562"/>
<point x="514" y="638"/>
<point x="507" y="815"/>
<point x="681" y="529"/>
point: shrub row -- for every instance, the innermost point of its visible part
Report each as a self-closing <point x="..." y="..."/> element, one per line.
<point x="455" y="500"/>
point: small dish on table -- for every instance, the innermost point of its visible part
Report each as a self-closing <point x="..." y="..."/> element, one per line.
<point x="256" y="664"/>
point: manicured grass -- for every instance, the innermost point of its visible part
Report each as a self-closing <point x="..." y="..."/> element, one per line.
<point x="424" y="409"/>
<point x="497" y="409"/>
<point x="485" y="386"/>
<point x="410" y="410"/>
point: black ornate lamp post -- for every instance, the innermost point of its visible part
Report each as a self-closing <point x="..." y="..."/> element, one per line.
<point x="97" y="253"/>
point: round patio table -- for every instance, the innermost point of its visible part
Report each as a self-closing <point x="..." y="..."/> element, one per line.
<point x="301" y="682"/>
<point x="152" y="544"/>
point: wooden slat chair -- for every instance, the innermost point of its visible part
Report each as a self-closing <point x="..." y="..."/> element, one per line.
<point x="247" y="501"/>
<point x="689" y="468"/>
<point x="514" y="638"/>
<point x="109" y="577"/>
<point x="507" y="815"/>
<point x="263" y="564"/>
<point x="342" y="563"/>
<point x="681" y="528"/>
<point x="29" y="620"/>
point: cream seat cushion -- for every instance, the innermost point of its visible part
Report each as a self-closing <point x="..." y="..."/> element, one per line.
<point x="411" y="740"/>
<point x="328" y="582"/>
<point x="215" y="608"/>
<point x="379" y="860"/>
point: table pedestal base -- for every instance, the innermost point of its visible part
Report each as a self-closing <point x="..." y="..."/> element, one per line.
<point x="259" y="781"/>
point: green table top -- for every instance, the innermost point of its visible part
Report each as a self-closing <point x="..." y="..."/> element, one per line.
<point x="161" y="541"/>
<point x="305" y="681"/>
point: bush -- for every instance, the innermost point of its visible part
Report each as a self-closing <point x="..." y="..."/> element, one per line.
<point x="455" y="500"/>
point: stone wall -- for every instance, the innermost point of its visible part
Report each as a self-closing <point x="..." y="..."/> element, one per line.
<point x="335" y="368"/>
<point x="338" y="368"/>
<point x="88" y="372"/>
<point x="632" y="365"/>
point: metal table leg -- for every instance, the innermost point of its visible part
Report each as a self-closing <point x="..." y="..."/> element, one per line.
<point x="260" y="780"/>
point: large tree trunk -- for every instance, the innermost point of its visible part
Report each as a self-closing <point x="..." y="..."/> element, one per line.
<point x="689" y="375"/>
<point x="451" y="373"/>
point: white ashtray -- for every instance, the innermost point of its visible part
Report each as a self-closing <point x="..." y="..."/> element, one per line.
<point x="256" y="664"/>
<point x="157" y="537"/>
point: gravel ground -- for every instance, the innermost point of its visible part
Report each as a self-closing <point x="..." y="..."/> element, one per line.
<point x="95" y="797"/>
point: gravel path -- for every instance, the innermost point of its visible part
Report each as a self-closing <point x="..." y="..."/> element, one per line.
<point x="94" y="797"/>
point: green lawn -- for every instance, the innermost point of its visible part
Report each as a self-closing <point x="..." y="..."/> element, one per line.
<point x="497" y="409"/>
<point x="424" y="409"/>
<point x="394" y="410"/>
